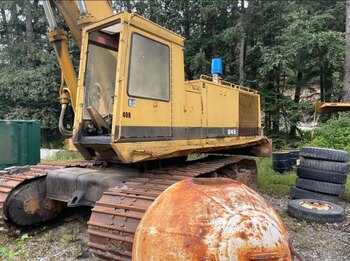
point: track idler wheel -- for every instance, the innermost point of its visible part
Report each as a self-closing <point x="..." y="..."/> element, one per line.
<point x="27" y="204"/>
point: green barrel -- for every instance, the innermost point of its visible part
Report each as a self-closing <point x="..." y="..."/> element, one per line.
<point x="281" y="161"/>
<point x="19" y="143"/>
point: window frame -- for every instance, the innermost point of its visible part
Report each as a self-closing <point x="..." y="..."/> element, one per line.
<point x="129" y="71"/>
<point x="87" y="42"/>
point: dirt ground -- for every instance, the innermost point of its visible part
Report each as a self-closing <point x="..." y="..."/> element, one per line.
<point x="66" y="239"/>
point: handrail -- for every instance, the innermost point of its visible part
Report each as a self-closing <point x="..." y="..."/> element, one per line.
<point x="225" y="83"/>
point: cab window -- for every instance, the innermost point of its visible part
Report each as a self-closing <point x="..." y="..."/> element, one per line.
<point x="149" y="70"/>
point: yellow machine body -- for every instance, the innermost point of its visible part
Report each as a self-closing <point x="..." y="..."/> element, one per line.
<point x="133" y="103"/>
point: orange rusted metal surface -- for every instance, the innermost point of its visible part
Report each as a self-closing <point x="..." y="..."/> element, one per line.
<point x="210" y="219"/>
<point x="117" y="214"/>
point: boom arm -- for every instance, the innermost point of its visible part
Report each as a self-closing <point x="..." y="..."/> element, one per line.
<point x="77" y="14"/>
<point x="76" y="18"/>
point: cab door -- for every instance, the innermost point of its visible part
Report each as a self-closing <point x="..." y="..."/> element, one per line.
<point x="146" y="113"/>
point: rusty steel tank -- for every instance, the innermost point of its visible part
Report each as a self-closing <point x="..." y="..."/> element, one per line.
<point x="211" y="219"/>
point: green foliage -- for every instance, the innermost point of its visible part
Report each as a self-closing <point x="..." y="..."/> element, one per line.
<point x="346" y="195"/>
<point x="272" y="182"/>
<point x="335" y="133"/>
<point x="6" y="254"/>
<point x="289" y="47"/>
<point x="18" y="254"/>
<point x="28" y="83"/>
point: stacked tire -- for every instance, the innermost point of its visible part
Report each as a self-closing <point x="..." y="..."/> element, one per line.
<point x="322" y="175"/>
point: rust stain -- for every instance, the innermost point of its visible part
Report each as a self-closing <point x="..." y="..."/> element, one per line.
<point x="249" y="225"/>
<point x="206" y="206"/>
<point x="243" y="235"/>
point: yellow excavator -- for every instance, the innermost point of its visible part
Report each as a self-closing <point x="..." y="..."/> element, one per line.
<point x="135" y="122"/>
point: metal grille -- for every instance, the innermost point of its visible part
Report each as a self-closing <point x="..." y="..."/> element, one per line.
<point x="248" y="114"/>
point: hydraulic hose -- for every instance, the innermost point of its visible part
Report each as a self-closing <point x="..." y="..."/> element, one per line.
<point x="66" y="133"/>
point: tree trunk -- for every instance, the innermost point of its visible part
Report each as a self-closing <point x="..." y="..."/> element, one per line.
<point x="4" y="34"/>
<point x="29" y="31"/>
<point x="298" y="87"/>
<point x="276" y="112"/>
<point x="293" y="127"/>
<point x="152" y="11"/>
<point x="346" y="87"/>
<point x="328" y="84"/>
<point x="322" y="84"/>
<point x="241" y="49"/>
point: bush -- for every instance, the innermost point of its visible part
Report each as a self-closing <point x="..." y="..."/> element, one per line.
<point x="335" y="133"/>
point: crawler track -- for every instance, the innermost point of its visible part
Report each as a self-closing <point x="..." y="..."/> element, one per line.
<point x="116" y="215"/>
<point x="12" y="179"/>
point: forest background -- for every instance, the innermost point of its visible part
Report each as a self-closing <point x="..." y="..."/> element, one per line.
<point x="292" y="52"/>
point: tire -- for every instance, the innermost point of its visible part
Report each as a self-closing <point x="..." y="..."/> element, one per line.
<point x="302" y="193"/>
<point x="341" y="167"/>
<point x="319" y="186"/>
<point x="322" y="175"/>
<point x="316" y="210"/>
<point x="325" y="154"/>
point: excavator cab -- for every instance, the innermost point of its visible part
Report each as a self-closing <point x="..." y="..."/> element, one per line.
<point x="124" y="92"/>
<point x="130" y="98"/>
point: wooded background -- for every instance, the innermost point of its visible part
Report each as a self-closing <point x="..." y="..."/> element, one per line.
<point x="285" y="49"/>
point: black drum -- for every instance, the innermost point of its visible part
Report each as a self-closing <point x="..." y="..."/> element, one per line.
<point x="281" y="161"/>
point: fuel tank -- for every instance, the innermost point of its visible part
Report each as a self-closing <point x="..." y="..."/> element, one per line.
<point x="211" y="219"/>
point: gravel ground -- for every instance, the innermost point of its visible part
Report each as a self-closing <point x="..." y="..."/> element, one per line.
<point x="316" y="242"/>
<point x="66" y="238"/>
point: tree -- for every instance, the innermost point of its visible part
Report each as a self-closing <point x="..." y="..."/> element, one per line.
<point x="347" y="54"/>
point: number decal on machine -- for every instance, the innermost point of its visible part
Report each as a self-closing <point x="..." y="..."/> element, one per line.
<point x="126" y="114"/>
<point x="232" y="132"/>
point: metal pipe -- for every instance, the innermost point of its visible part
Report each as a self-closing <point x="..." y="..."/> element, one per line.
<point x="82" y="7"/>
<point x="49" y="14"/>
<point x="66" y="133"/>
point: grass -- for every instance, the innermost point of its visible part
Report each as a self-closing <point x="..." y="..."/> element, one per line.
<point x="274" y="183"/>
<point x="346" y="195"/>
<point x="65" y="155"/>
<point x="65" y="242"/>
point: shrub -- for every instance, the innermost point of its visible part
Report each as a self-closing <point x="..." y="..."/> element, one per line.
<point x="335" y="133"/>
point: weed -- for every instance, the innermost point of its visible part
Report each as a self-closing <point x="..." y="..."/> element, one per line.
<point x="6" y="254"/>
<point x="64" y="240"/>
<point x="65" y="155"/>
<point x="49" y="237"/>
<point x="76" y="252"/>
<point x="272" y="182"/>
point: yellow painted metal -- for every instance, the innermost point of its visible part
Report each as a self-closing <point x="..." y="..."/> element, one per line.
<point x="158" y="112"/>
<point x="98" y="10"/>
<point x="130" y="152"/>
<point x="59" y="40"/>
<point x="332" y="107"/>
<point x="193" y="104"/>
<point x="70" y="13"/>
